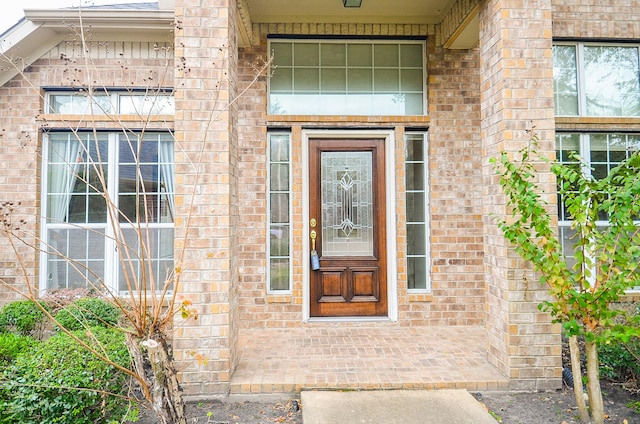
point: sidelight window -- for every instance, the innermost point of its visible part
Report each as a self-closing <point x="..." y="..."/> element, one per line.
<point x="279" y="205"/>
<point x="417" y="204"/>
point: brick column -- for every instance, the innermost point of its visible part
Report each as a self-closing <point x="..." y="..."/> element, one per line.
<point x="516" y="93"/>
<point x="206" y="195"/>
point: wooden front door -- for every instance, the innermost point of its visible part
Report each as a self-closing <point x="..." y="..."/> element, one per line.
<point x="348" y="219"/>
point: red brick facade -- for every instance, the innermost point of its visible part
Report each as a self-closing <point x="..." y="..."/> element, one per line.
<point x="481" y="101"/>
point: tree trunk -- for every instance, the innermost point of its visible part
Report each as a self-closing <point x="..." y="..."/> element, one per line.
<point x="163" y="389"/>
<point x="574" y="350"/>
<point x="593" y="384"/>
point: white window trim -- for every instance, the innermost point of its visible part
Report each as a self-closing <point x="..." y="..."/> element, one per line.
<point x="427" y="213"/>
<point x="270" y="291"/>
<point x="111" y="282"/>
<point x="390" y="179"/>
<point x="423" y="43"/>
<point x="114" y="100"/>
<point x="585" y="147"/>
<point x="580" y="74"/>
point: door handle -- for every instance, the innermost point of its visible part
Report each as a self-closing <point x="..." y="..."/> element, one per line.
<point x="315" y="260"/>
<point x="313" y="236"/>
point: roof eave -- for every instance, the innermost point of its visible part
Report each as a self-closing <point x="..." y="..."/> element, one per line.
<point x="61" y="19"/>
<point x="22" y="45"/>
<point x="43" y="29"/>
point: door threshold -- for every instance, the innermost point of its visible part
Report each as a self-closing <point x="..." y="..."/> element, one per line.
<point x="349" y="319"/>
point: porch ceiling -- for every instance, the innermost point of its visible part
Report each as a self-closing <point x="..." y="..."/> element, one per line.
<point x="332" y="11"/>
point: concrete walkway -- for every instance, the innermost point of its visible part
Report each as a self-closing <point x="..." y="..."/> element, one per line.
<point x="393" y="406"/>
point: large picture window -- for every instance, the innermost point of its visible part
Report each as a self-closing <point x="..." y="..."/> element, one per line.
<point x="311" y="77"/>
<point x="596" y="80"/>
<point x="600" y="152"/>
<point x="108" y="209"/>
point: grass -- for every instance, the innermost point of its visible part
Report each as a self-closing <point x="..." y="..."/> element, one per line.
<point x="495" y="416"/>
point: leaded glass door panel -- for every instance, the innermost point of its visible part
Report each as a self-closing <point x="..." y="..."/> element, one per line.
<point x="347" y="219"/>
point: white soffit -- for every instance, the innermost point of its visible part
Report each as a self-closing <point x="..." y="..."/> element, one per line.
<point x="332" y="11"/>
<point x="467" y="35"/>
<point x="23" y="45"/>
<point x="43" y="29"/>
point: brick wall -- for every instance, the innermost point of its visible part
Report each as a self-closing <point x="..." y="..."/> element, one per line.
<point x="456" y="197"/>
<point x="236" y="185"/>
<point x="481" y="101"/>
<point x="592" y="19"/>
<point x="19" y="184"/>
<point x="516" y="85"/>
<point x="207" y="190"/>
<point x="260" y="31"/>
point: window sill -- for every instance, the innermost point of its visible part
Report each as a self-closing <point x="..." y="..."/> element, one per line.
<point x="279" y="298"/>
<point x="631" y="296"/>
<point x="57" y="121"/>
<point x="596" y="122"/>
<point x="420" y="297"/>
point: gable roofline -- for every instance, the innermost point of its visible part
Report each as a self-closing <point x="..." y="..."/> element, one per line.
<point x="102" y="18"/>
<point x="42" y="29"/>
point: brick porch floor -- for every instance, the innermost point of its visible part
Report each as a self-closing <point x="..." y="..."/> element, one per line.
<point x="372" y="356"/>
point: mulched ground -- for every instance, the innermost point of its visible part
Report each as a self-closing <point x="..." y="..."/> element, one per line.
<point x="286" y="412"/>
<point x="557" y="407"/>
<point x="506" y="407"/>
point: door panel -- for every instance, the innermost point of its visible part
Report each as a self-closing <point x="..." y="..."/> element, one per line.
<point x="333" y="286"/>
<point x="347" y="206"/>
<point x="365" y="287"/>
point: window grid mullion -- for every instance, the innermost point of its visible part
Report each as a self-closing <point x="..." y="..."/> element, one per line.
<point x="111" y="253"/>
<point x="582" y="98"/>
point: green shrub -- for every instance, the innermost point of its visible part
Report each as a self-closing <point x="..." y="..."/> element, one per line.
<point x="88" y="312"/>
<point x="11" y="345"/>
<point x="23" y="317"/>
<point x="619" y="361"/>
<point x="59" y="381"/>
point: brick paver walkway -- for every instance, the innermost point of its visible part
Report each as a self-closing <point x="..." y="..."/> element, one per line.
<point x="373" y="356"/>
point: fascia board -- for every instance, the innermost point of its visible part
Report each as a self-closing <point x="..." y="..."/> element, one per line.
<point x="102" y="18"/>
<point x="22" y="46"/>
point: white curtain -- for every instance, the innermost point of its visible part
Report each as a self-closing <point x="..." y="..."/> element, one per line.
<point x="166" y="159"/>
<point x="63" y="172"/>
<point x="62" y="179"/>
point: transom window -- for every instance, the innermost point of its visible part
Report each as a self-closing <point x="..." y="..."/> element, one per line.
<point x="103" y="103"/>
<point x="311" y="77"/>
<point x="596" y="80"/>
